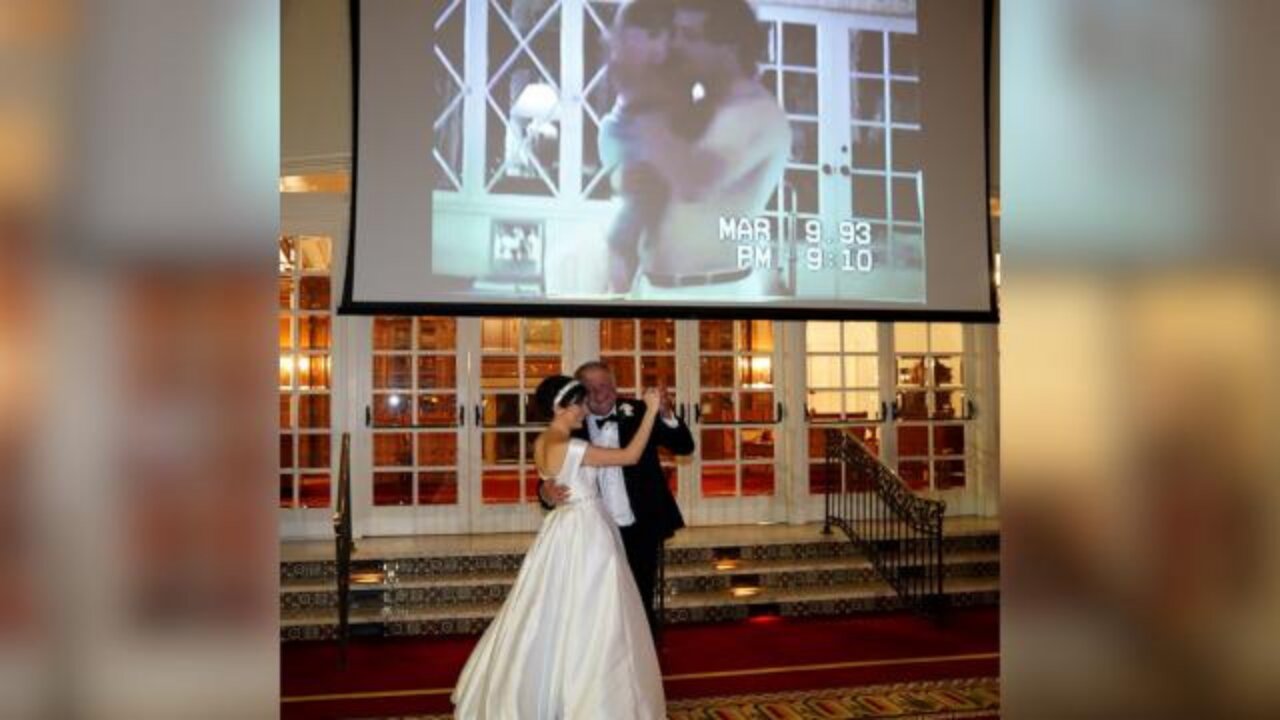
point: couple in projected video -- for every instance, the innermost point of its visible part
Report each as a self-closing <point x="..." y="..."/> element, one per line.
<point x="693" y="137"/>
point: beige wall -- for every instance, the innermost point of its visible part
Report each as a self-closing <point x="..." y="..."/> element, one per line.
<point x="315" y="69"/>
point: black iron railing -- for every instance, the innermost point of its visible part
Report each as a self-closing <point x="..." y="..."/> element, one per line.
<point x="344" y="544"/>
<point x="900" y="532"/>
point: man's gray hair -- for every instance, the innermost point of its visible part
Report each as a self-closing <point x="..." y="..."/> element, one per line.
<point x="590" y="365"/>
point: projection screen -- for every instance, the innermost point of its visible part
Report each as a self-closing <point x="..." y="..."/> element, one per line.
<point x="794" y="158"/>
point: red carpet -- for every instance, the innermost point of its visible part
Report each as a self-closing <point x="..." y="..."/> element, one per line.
<point x="415" y="675"/>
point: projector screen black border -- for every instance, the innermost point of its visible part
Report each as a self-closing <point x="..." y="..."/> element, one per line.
<point x="634" y="309"/>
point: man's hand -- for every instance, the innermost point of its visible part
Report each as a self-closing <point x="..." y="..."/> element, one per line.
<point x="652" y="398"/>
<point x="553" y="493"/>
<point x="664" y="406"/>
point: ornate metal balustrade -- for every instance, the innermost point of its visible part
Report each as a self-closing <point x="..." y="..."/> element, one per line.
<point x="343" y="547"/>
<point x="899" y="531"/>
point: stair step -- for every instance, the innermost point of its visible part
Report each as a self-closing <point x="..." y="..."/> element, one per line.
<point x="446" y="555"/>
<point x="676" y="600"/>
<point x="674" y="572"/>
<point x="428" y="585"/>
<point x="694" y="607"/>
<point x="493" y="587"/>
<point x="407" y="571"/>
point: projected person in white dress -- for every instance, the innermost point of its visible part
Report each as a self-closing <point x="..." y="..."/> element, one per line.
<point x="571" y="642"/>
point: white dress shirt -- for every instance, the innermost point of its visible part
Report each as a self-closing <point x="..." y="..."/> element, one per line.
<point x="746" y="145"/>
<point x="613" y="485"/>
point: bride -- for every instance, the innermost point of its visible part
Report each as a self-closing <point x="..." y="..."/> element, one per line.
<point x="571" y="641"/>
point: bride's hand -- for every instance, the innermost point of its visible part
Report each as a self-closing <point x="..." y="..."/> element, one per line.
<point x="652" y="399"/>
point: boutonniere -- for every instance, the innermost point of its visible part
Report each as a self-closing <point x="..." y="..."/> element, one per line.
<point x="626" y="409"/>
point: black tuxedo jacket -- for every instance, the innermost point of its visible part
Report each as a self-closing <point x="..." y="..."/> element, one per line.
<point x="651" y="500"/>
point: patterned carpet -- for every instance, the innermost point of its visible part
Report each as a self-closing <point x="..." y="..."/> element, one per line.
<point x="968" y="698"/>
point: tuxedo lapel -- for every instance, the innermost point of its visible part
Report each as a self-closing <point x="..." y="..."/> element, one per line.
<point x="628" y="423"/>
<point x="626" y="430"/>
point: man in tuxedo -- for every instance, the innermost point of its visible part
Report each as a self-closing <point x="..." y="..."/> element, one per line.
<point x="636" y="496"/>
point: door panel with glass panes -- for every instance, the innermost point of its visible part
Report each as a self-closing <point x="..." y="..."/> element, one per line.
<point x="415" y="422"/>
<point x="643" y="353"/>
<point x="932" y="408"/>
<point x="515" y="354"/>
<point x="848" y="212"/>
<point x="452" y="422"/>
<point x="843" y="391"/>
<point x="307" y="460"/>
<point x="901" y="389"/>
<point x="314" y="361"/>
<point x="736" y="419"/>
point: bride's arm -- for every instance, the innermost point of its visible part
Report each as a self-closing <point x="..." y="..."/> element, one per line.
<point x="599" y="456"/>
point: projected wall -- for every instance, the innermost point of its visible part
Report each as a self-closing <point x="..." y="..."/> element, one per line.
<point x="702" y="154"/>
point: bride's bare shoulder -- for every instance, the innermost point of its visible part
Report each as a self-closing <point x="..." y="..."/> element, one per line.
<point x="548" y="452"/>
<point x="547" y="442"/>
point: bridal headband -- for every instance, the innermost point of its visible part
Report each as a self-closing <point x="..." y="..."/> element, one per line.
<point x="564" y="391"/>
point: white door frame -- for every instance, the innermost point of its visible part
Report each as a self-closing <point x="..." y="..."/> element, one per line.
<point x="326" y="214"/>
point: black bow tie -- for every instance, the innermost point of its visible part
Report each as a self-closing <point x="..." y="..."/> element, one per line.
<point x="610" y="418"/>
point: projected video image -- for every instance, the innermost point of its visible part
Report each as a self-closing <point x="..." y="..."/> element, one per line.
<point x="703" y="151"/>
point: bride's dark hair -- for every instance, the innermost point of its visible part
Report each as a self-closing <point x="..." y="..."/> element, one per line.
<point x="549" y="388"/>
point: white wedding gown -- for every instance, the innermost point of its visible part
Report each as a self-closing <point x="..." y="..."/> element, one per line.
<point x="571" y="641"/>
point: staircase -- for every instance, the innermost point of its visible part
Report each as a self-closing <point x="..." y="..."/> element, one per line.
<point x="443" y="585"/>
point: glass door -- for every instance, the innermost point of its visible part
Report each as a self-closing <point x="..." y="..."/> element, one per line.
<point x="850" y="209"/>
<point x="933" y="411"/>
<point x="451" y="422"/>
<point x="416" y="424"/>
<point x="313" y="359"/>
<point x="737" y="410"/>
<point x="790" y="70"/>
<point x="643" y="353"/>
<point x="843" y="391"/>
<point x="514" y="355"/>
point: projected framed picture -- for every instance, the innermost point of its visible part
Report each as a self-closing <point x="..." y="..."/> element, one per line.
<point x="516" y="250"/>
<point x="845" y="176"/>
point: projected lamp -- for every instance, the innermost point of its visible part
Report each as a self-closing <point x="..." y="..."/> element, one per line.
<point x="533" y="120"/>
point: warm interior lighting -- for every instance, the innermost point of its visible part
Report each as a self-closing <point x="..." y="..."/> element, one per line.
<point x="746" y="591"/>
<point x="286" y="371"/>
<point x="334" y="182"/>
<point x="300" y="365"/>
<point x="366" y="578"/>
<point x="726" y="564"/>
<point x="757" y="371"/>
<point x="290" y="364"/>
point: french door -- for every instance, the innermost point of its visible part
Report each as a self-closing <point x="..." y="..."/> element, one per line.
<point x="737" y="410"/>
<point x="442" y="422"/>
<point x="849" y="85"/>
<point x="450" y="421"/>
<point x="723" y="376"/>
